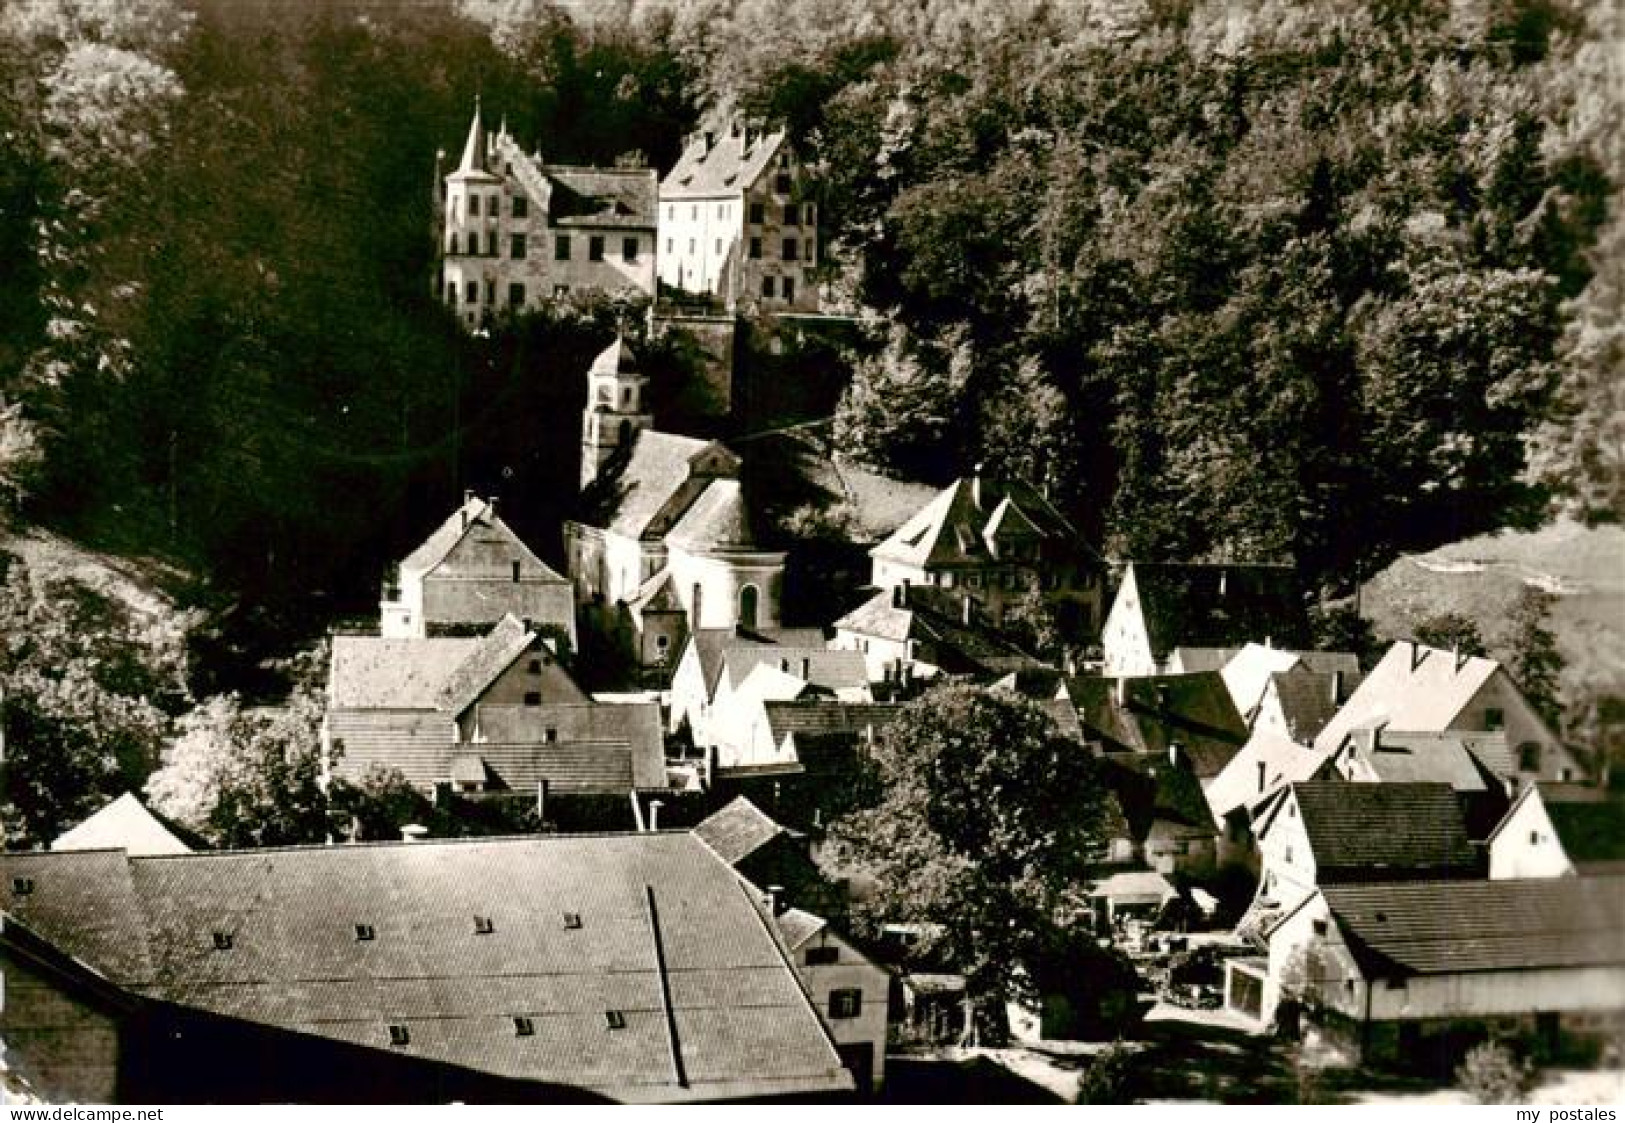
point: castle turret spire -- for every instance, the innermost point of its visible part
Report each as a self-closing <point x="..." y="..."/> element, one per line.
<point x="474" y="148"/>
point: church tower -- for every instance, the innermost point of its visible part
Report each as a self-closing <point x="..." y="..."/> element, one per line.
<point x="615" y="409"/>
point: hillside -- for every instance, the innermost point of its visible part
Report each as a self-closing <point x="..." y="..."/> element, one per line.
<point x="1480" y="577"/>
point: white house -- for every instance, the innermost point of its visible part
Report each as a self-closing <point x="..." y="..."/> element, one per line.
<point x="1558" y="830"/>
<point x="848" y="989"/>
<point x="1160" y="609"/>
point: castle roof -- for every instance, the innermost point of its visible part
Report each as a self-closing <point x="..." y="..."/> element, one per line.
<point x="474" y="162"/>
<point x="734" y="159"/>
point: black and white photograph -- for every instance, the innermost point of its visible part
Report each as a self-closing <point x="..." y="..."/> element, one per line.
<point x="878" y="553"/>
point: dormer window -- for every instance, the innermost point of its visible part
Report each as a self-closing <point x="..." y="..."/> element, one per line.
<point x="614" y="1019"/>
<point x="222" y="941"/>
<point x="572" y="920"/>
<point x="22" y="886"/>
<point x="483" y="926"/>
<point x="523" y="1027"/>
<point x="399" y="1036"/>
<point x="365" y="932"/>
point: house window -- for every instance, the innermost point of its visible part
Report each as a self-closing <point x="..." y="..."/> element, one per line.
<point x="516" y="295"/>
<point x="473" y="206"/>
<point x="758" y="213"/>
<point x="533" y="698"/>
<point x="669" y="248"/>
<point x="789" y="288"/>
<point x="691" y="245"/>
<point x="845" y="1003"/>
<point x="365" y="932"/>
<point x="561" y="247"/>
<point x="629" y="249"/>
<point x="671" y="211"/>
<point x="451" y="292"/>
<point x="781" y="183"/>
<point x="483" y="926"/>
<point x="722" y="210"/>
<point x="823" y="956"/>
<point x="399" y="1035"/>
<point x="694" y="213"/>
<point x="534" y="667"/>
<point x="222" y="941"/>
<point x="516" y="246"/>
<point x="1494" y="719"/>
<point x="523" y="1027"/>
<point x="1529" y="756"/>
<point x="515" y="565"/>
<point x="1534" y="838"/>
<point x="521" y="206"/>
<point x="1320" y="927"/>
<point x="789" y="249"/>
<point x="595" y="248"/>
<point x="551" y="735"/>
<point x="561" y="290"/>
<point x="792" y="216"/>
<point x="767" y="286"/>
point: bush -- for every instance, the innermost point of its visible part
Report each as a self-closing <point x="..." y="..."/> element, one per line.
<point x="1492" y="1074"/>
<point x="1106" y="1079"/>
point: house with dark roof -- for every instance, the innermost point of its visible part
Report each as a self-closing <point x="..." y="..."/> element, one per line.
<point x="1163" y="607"/>
<point x="769" y="854"/>
<point x="1313" y="684"/>
<point x="468" y="574"/>
<point x="1414" y="972"/>
<point x="1420" y="689"/>
<point x="737" y="224"/>
<point x="666" y="545"/>
<point x="1471" y="763"/>
<point x="1160" y="818"/>
<point x="1192" y="714"/>
<point x="634" y="967"/>
<point x="1560" y="830"/>
<point x="516" y="232"/>
<point x="494" y="716"/>
<point x="1328" y="832"/>
<point x="992" y="541"/>
<point x="918" y="633"/>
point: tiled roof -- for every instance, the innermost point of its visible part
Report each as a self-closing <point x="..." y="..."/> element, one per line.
<point x="619" y="197"/>
<point x="1411" y="688"/>
<point x="1150" y="788"/>
<point x="727" y="167"/>
<point x="1220" y="605"/>
<point x="717" y="519"/>
<point x="1191" y="660"/>
<point x="491" y="655"/>
<point x="1361" y="830"/>
<point x="957" y="527"/>
<point x="123" y="824"/>
<point x="635" y="725"/>
<point x="1306" y="699"/>
<point x="798" y="926"/>
<point x="1450" y="927"/>
<point x="405" y="674"/>
<point x="820" y="667"/>
<point x="648" y="493"/>
<point x="827" y="718"/>
<point x="799" y="469"/>
<point x="1249" y="671"/>
<point x="714" y="645"/>
<point x="738" y="830"/>
<point x="743" y="1024"/>
<point x="1284" y="761"/>
<point x="1421" y="757"/>
<point x="1590" y="824"/>
<point x="934" y="619"/>
<point x="497" y="547"/>
<point x="1195" y="711"/>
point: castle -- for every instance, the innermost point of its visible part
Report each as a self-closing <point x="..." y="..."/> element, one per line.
<point x="729" y="227"/>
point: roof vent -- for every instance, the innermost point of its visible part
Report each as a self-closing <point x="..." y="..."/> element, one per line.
<point x="572" y="920"/>
<point x="222" y="941"/>
<point x="523" y="1027"/>
<point x="614" y="1019"/>
<point x="483" y="926"/>
<point x="22" y="886"/>
<point x="399" y="1035"/>
<point x="364" y="932"/>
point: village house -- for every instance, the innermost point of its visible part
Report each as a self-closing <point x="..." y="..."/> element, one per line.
<point x="716" y="662"/>
<point x="1313" y="683"/>
<point x="1158" y="818"/>
<point x="667" y="546"/>
<point x="1329" y="832"/>
<point x="516" y="232"/>
<point x="994" y="542"/>
<point x="1243" y="789"/>
<point x="1164" y="608"/>
<point x="1419" y="689"/>
<point x="914" y="633"/>
<point x="1413" y="973"/>
<point x="848" y="989"/>
<point x="737" y="224"/>
<point x="484" y="717"/>
<point x="1475" y="765"/>
<point x="1560" y="830"/>
<point x="1298" y="704"/>
<point x="1190" y="716"/>
<point x="470" y="573"/>
<point x="631" y="967"/>
<point x="769" y="854"/>
<point x="740" y="728"/>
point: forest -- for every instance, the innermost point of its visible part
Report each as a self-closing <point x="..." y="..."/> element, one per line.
<point x="1252" y="280"/>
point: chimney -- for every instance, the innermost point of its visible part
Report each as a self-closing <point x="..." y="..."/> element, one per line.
<point x="1223" y="581"/>
<point x="976" y="487"/>
<point x="491" y="506"/>
<point x="414" y="832"/>
<point x="1120" y="688"/>
<point x="1260" y="775"/>
<point x="775" y="899"/>
<point x="806" y="669"/>
<point x="654" y="814"/>
<point x="1162" y="696"/>
<point x="1337" y="688"/>
<point x="710" y="139"/>
<point x="1418" y="653"/>
<point x="965" y="611"/>
<point x="1457" y="658"/>
<point x="1174" y="751"/>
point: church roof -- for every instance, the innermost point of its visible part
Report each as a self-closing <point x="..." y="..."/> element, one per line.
<point x="617" y="358"/>
<point x="718" y="518"/>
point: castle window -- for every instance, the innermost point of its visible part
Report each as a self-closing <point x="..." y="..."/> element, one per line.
<point x="473" y="242"/>
<point x="758" y="213"/>
<point x="756" y="248"/>
<point x="516" y="294"/>
<point x="629" y="249"/>
<point x="473" y="292"/>
<point x="451" y="292"/>
<point x="789" y="288"/>
<point x="781" y="183"/>
<point x="516" y="246"/>
<point x="767" y="286"/>
<point x="792" y="215"/>
<point x="561" y="247"/>
<point x="490" y="291"/>
<point x="790" y="249"/>
<point x="496" y="206"/>
<point x="473" y="206"/>
<point x="491" y="243"/>
<point x="521" y="206"/>
<point x="595" y="248"/>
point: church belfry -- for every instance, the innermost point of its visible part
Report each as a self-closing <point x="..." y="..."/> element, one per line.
<point x="616" y="408"/>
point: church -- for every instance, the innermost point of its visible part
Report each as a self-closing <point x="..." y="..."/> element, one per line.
<point x="665" y="544"/>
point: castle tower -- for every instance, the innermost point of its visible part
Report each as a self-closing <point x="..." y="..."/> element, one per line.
<point x="471" y="216"/>
<point x="615" y="411"/>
